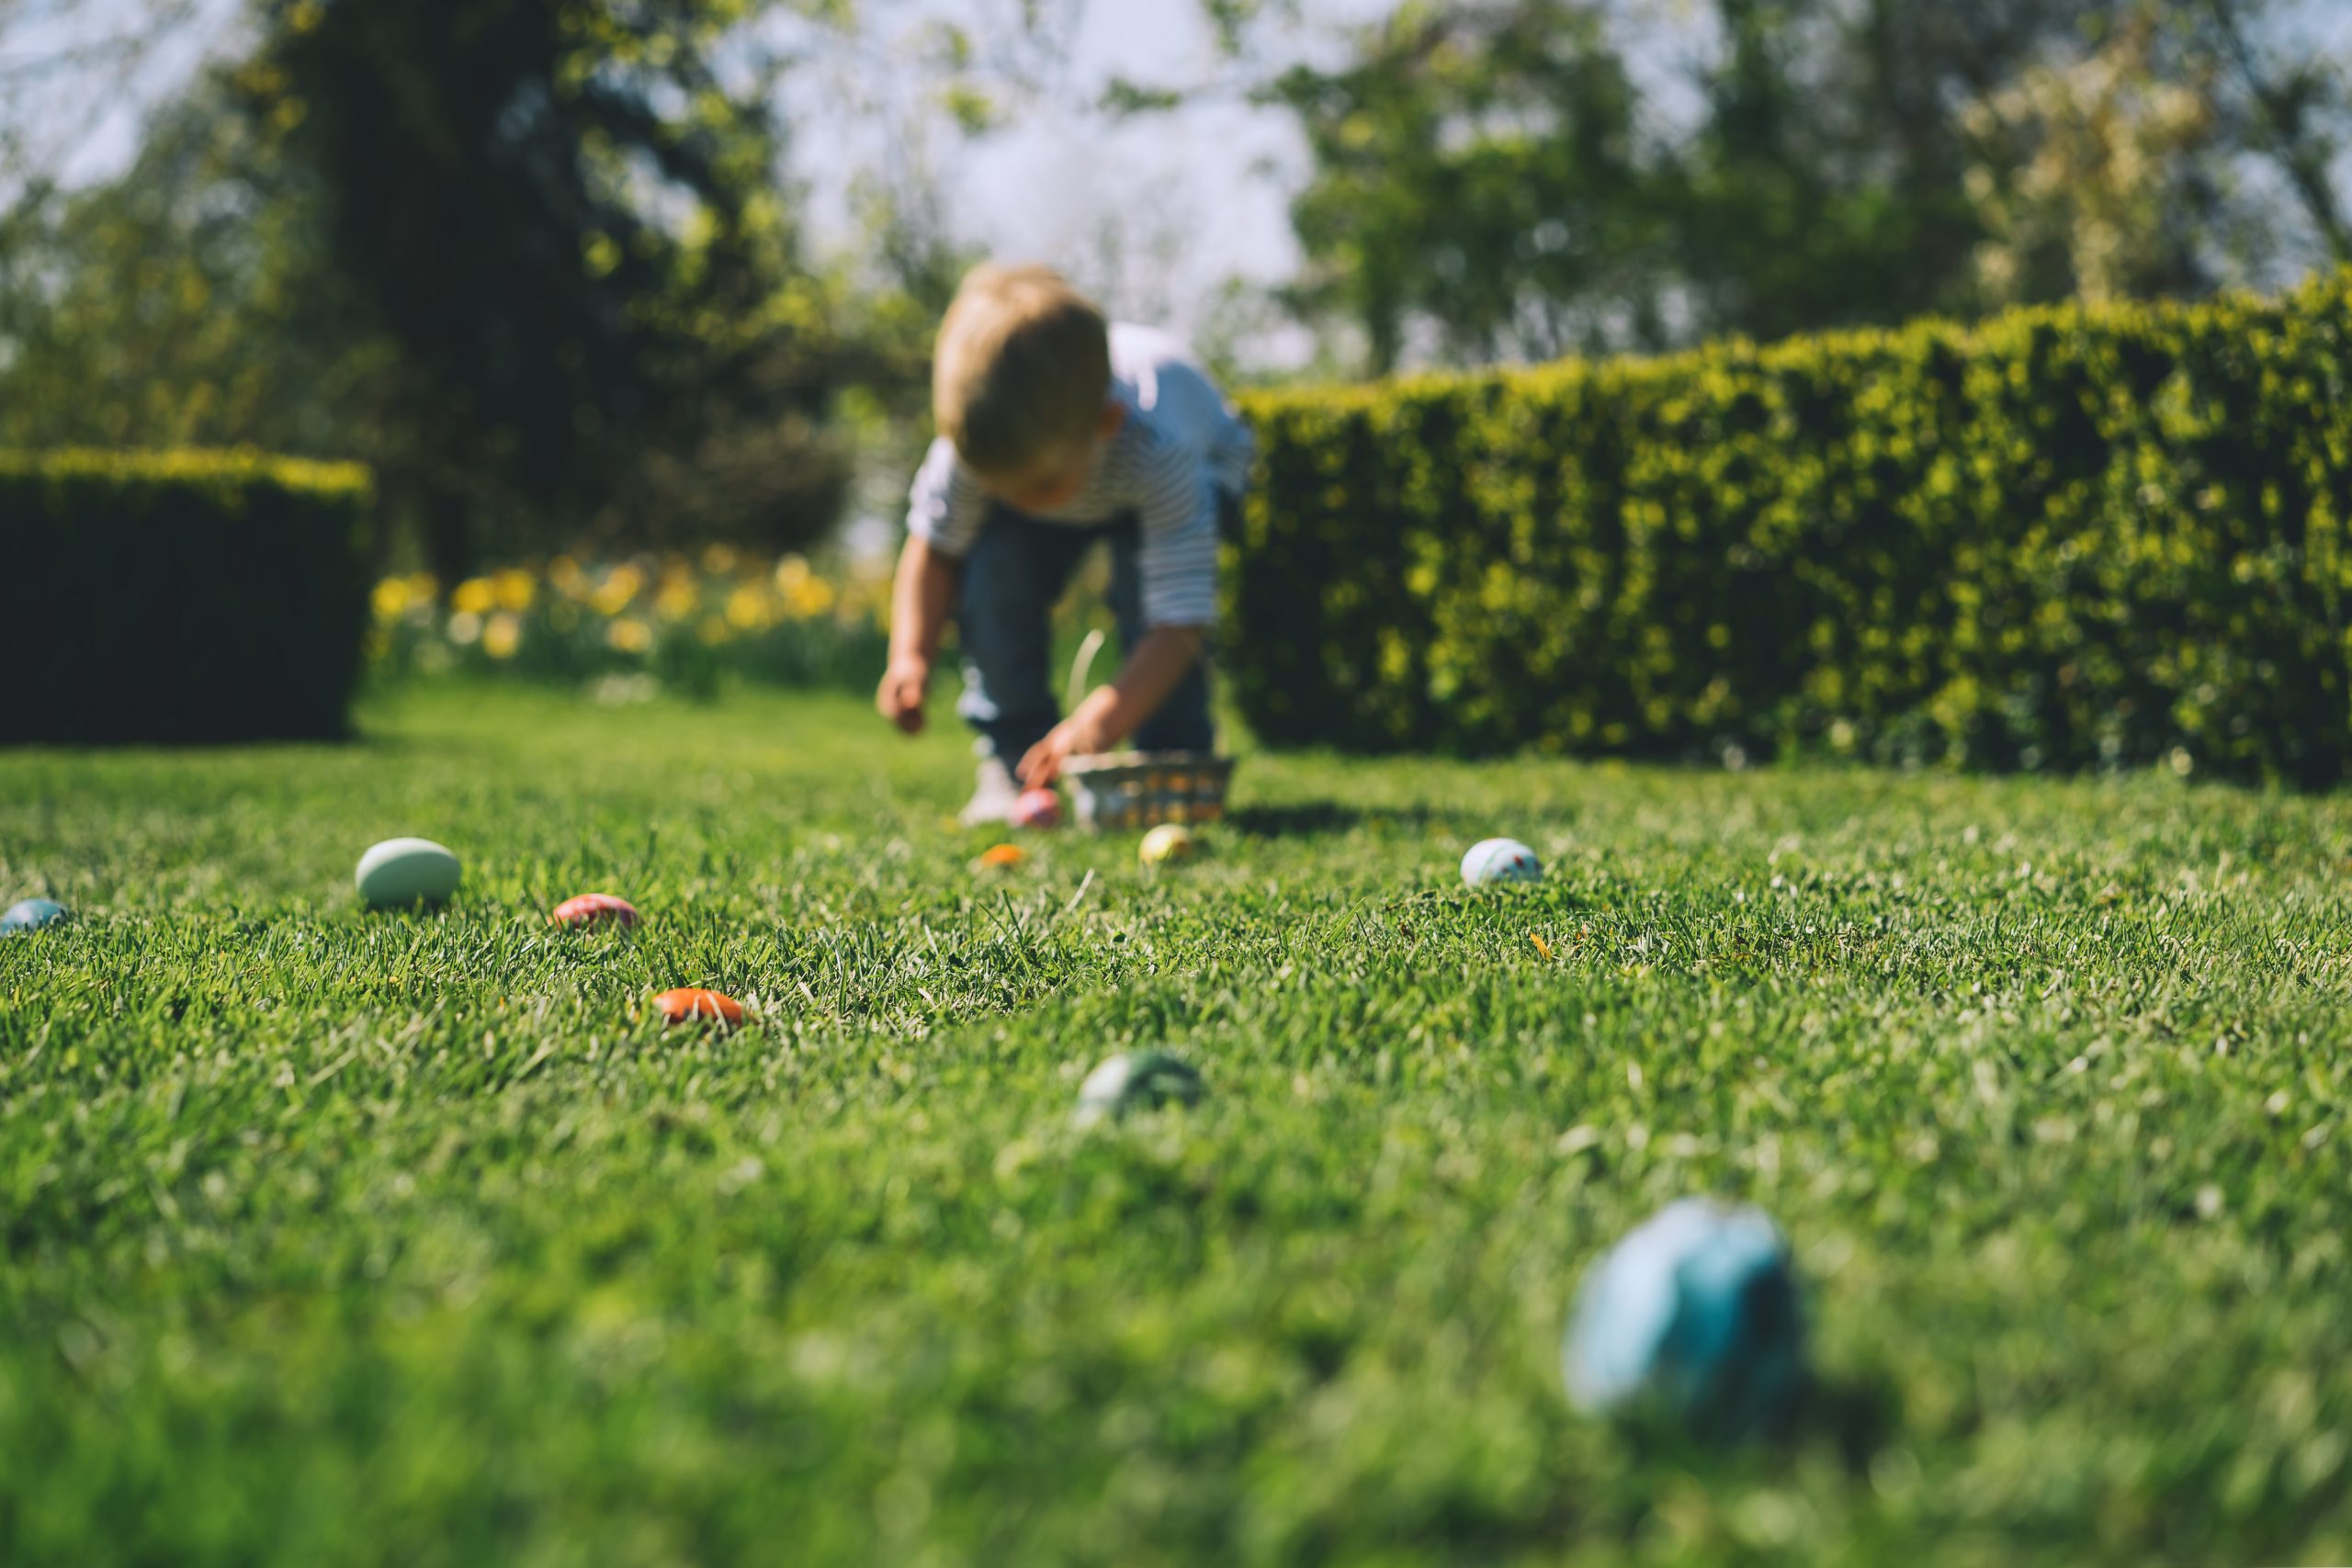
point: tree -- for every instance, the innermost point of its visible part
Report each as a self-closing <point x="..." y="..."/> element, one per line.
<point x="529" y="262"/>
<point x="566" y="219"/>
<point x="1488" y="183"/>
<point x="2088" y="181"/>
<point x="2289" y="107"/>
<point x="185" y="303"/>
<point x="1478" y="168"/>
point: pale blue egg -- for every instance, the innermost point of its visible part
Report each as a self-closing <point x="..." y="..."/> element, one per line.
<point x="1696" y="1312"/>
<point x="31" y="915"/>
<point x="406" y="870"/>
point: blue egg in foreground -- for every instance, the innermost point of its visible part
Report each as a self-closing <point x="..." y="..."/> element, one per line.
<point x="1695" y="1312"/>
<point x="31" y="915"/>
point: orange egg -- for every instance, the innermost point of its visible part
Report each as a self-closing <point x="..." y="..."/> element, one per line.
<point x="691" y="1002"/>
<point x="1003" y="855"/>
<point x="595" y="908"/>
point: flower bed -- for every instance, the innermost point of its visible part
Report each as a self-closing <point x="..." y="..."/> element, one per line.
<point x="629" y="627"/>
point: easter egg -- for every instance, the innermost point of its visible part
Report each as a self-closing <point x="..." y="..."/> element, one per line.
<point x="406" y="870"/>
<point x="1168" y="843"/>
<point x="1143" y="1081"/>
<point x="595" y="908"/>
<point x="1500" y="859"/>
<point x="689" y="1002"/>
<point x="31" y="915"/>
<point x="1038" y="808"/>
<point x="1003" y="857"/>
<point x="1695" y="1313"/>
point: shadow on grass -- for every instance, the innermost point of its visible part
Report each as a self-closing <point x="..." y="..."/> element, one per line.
<point x="1856" y="1417"/>
<point x="1313" y="818"/>
<point x="1307" y="820"/>
<point x="1852" y="1418"/>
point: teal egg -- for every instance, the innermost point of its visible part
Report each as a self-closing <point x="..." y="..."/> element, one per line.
<point x="1694" y="1311"/>
<point x="31" y="915"/>
<point x="406" y="870"/>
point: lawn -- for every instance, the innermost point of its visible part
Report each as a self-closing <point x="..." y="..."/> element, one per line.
<point x="336" y="1238"/>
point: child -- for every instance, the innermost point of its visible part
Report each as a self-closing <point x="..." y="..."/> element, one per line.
<point x="1056" y="429"/>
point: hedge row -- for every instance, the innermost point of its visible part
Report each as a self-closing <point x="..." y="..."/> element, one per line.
<point x="189" y="596"/>
<point x="2066" y="537"/>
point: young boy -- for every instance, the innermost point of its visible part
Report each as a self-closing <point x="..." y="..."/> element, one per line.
<point x="1056" y="429"/>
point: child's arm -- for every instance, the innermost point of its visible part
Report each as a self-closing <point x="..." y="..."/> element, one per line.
<point x="1110" y="714"/>
<point x="920" y="602"/>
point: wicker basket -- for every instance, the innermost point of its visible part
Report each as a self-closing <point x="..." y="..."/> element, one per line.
<point x="1147" y="789"/>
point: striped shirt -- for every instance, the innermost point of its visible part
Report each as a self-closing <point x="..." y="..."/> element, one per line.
<point x="1180" y="445"/>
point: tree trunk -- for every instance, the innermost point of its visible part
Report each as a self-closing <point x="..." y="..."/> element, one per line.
<point x="449" y="538"/>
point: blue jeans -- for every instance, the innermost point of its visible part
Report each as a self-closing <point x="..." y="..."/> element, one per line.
<point x="1013" y="577"/>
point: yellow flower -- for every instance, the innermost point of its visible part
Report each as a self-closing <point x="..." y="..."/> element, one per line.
<point x="514" y="590"/>
<point x="390" y="598"/>
<point x="620" y="587"/>
<point x="677" y="598"/>
<point x="790" y="573"/>
<point x="565" y="576"/>
<point x="810" y="597"/>
<point x="719" y="560"/>
<point x="630" y="635"/>
<point x="502" y="635"/>
<point x="750" y="608"/>
<point x="475" y="597"/>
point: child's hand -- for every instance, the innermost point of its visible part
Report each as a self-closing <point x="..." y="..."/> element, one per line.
<point x="1077" y="736"/>
<point x="900" y="697"/>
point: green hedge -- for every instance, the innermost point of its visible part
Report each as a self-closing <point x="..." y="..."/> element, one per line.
<point x="2066" y="537"/>
<point x="180" y="596"/>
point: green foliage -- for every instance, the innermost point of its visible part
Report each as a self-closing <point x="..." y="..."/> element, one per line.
<point x="183" y="596"/>
<point x="1477" y="168"/>
<point x="1500" y="180"/>
<point x="2069" y="537"/>
<point x="333" y="1240"/>
<point x="565" y="220"/>
<point x="200" y="298"/>
<point x="186" y="304"/>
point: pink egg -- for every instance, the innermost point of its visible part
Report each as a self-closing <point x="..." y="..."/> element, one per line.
<point x="595" y="908"/>
<point x="1038" y="808"/>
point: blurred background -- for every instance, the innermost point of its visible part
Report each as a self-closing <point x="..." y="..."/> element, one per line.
<point x="594" y="285"/>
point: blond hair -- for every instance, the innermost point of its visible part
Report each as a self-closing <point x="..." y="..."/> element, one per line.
<point x="1023" y="366"/>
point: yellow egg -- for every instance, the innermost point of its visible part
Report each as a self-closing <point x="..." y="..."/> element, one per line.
<point x="1168" y="843"/>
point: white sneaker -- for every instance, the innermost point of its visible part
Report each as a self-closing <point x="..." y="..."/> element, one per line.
<point x="993" y="795"/>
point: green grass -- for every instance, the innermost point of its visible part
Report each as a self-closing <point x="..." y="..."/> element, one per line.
<point x="337" y="1238"/>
